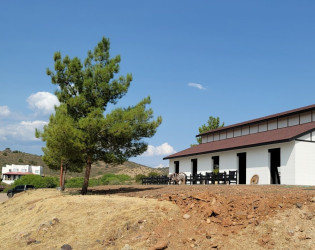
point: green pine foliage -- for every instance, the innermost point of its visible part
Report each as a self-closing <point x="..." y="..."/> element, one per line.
<point x="86" y="89"/>
<point x="212" y="123"/>
<point x="62" y="142"/>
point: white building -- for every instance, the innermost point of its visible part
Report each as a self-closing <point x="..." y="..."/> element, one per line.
<point x="10" y="173"/>
<point x="279" y="148"/>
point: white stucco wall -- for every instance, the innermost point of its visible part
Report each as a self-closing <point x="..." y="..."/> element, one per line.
<point x="38" y="170"/>
<point x="16" y="168"/>
<point x="287" y="169"/>
<point x="305" y="163"/>
<point x="257" y="162"/>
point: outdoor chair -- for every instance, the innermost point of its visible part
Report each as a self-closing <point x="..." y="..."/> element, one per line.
<point x="189" y="179"/>
<point x="166" y="179"/>
<point x="146" y="180"/>
<point x="221" y="178"/>
<point x="154" y="180"/>
<point x="232" y="178"/>
<point x="198" y="179"/>
<point x="209" y="178"/>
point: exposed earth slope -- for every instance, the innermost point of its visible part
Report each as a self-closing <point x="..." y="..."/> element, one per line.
<point x="159" y="217"/>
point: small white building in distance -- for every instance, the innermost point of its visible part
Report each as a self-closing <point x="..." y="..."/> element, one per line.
<point x="278" y="149"/>
<point x="10" y="173"/>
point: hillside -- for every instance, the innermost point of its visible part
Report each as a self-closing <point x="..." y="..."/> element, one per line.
<point x="100" y="168"/>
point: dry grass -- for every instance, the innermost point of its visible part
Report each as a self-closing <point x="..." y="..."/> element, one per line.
<point x="47" y="219"/>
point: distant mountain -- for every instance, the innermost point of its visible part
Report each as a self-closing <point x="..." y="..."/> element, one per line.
<point x="100" y="168"/>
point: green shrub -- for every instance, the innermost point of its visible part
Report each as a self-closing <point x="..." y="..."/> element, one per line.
<point x="139" y="177"/>
<point x="5" y="154"/>
<point x="20" y="160"/>
<point x="215" y="171"/>
<point x="113" y="179"/>
<point x="74" y="182"/>
<point x="106" y="179"/>
<point x="51" y="182"/>
<point x="77" y="182"/>
<point x="153" y="174"/>
<point x="94" y="182"/>
<point x="37" y="181"/>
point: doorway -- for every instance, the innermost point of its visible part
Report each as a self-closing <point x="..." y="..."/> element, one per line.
<point x="176" y="164"/>
<point x="194" y="168"/>
<point x="242" y="168"/>
<point x="275" y="162"/>
<point x="216" y="164"/>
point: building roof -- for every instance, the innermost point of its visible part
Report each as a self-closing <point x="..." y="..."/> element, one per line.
<point x="17" y="173"/>
<point x="265" y="118"/>
<point x="257" y="139"/>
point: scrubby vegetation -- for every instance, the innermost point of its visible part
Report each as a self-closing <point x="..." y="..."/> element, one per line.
<point x="139" y="177"/>
<point x="76" y="182"/>
<point x="153" y="174"/>
<point x="106" y="179"/>
<point x="37" y="181"/>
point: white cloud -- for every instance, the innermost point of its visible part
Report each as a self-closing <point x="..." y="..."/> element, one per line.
<point x="23" y="131"/>
<point x="196" y="85"/>
<point x="4" y="111"/>
<point x="164" y="149"/>
<point x="43" y="102"/>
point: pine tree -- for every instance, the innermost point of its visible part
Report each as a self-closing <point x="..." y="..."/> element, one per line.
<point x="86" y="89"/>
<point x="212" y="123"/>
<point x="63" y="144"/>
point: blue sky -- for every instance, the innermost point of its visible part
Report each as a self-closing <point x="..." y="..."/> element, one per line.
<point x="249" y="58"/>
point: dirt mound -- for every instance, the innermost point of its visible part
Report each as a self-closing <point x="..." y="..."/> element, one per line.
<point x="160" y="217"/>
<point x="217" y="214"/>
<point x="47" y="219"/>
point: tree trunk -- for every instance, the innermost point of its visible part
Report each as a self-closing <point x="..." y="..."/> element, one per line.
<point x="61" y="173"/>
<point x="87" y="176"/>
<point x="63" y="178"/>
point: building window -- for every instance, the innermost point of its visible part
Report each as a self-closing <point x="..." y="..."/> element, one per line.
<point x="36" y="171"/>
